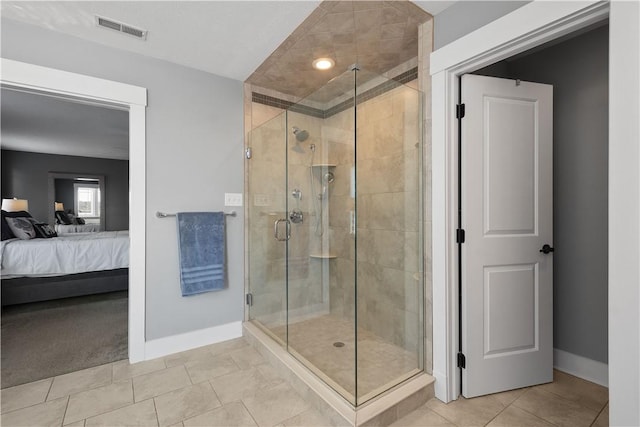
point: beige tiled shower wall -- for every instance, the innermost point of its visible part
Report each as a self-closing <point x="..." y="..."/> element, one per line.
<point x="388" y="217"/>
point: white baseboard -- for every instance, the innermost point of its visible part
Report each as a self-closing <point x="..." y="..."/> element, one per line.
<point x="588" y="369"/>
<point x="440" y="386"/>
<point x="189" y="340"/>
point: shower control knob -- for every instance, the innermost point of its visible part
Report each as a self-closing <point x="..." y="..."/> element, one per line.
<point x="296" y="216"/>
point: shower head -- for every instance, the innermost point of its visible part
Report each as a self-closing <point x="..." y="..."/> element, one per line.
<point x="301" y="135"/>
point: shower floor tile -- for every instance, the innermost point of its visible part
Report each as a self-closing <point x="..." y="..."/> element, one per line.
<point x="327" y="344"/>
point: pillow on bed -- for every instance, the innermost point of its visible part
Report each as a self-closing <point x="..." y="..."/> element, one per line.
<point x="80" y="221"/>
<point x="6" y="231"/>
<point x="62" y="218"/>
<point x="43" y="231"/>
<point x="22" y="228"/>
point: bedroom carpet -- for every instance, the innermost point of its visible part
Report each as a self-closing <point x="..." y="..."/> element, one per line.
<point x="45" y="339"/>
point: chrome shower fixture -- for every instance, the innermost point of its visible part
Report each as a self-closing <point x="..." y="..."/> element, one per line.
<point x="328" y="177"/>
<point x="301" y="135"/>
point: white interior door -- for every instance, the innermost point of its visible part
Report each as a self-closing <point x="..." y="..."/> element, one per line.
<point x="507" y="312"/>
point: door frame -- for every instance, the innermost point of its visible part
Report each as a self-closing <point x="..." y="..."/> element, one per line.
<point x="529" y="26"/>
<point x="93" y="90"/>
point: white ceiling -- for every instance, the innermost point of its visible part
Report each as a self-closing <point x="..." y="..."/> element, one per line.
<point x="44" y="124"/>
<point x="227" y="38"/>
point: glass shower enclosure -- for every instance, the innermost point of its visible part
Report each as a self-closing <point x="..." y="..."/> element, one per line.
<point x="335" y="233"/>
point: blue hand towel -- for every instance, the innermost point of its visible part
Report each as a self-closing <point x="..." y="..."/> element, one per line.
<point x="201" y="244"/>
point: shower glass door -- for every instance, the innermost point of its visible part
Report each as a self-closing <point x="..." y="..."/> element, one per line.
<point x="267" y="246"/>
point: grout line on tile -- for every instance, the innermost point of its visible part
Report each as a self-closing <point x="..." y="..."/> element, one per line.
<point x="575" y="401"/>
<point x="564" y="399"/>
<point x="106" y="411"/>
<point x="65" y="409"/>
<point x="214" y="392"/>
<point x="188" y="374"/>
<point x="236" y="365"/>
<point x="435" y="411"/>
<point x="49" y="390"/>
<point x="496" y="415"/>
<point x="248" y="412"/>
<point x="155" y="409"/>
<point x="529" y="412"/>
<point x="133" y="393"/>
<point x="599" y="413"/>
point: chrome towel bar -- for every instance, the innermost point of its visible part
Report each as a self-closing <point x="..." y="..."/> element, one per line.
<point x="165" y="215"/>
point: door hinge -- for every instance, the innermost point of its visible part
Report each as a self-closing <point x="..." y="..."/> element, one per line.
<point x="459" y="111"/>
<point x="249" y="298"/>
<point x="462" y="361"/>
<point x="460" y="237"/>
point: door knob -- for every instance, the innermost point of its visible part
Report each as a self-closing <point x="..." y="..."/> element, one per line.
<point x="546" y="249"/>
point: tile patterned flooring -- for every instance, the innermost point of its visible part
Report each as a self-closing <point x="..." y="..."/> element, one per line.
<point x="566" y="402"/>
<point x="231" y="384"/>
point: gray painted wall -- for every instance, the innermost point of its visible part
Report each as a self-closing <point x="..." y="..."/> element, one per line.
<point x="194" y="155"/>
<point x="25" y="175"/>
<point x="578" y="71"/>
<point x="463" y="17"/>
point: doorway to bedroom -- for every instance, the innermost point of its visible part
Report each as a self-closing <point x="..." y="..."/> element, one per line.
<point x="64" y="298"/>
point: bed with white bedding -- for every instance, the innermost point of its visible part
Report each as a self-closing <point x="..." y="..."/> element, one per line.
<point x="76" y="228"/>
<point x="68" y="265"/>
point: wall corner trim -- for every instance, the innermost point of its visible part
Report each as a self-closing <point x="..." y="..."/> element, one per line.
<point x="579" y="366"/>
<point x="190" y="340"/>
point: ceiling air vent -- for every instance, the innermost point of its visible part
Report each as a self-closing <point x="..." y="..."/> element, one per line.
<point x="121" y="27"/>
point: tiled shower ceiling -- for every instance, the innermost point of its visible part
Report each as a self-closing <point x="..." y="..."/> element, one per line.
<point x="377" y="35"/>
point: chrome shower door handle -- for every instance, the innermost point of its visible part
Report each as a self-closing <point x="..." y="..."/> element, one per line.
<point x="276" y="229"/>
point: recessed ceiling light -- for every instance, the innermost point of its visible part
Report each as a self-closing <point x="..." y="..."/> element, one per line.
<point x="323" y="63"/>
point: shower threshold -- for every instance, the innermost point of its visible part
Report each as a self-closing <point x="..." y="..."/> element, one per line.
<point x="415" y="389"/>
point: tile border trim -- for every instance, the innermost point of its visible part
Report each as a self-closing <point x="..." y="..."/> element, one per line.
<point x="390" y="84"/>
